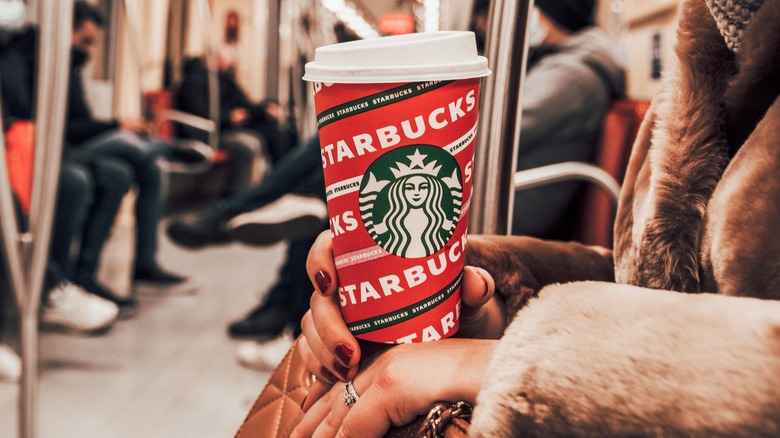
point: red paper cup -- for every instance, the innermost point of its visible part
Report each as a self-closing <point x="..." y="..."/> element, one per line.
<point x="397" y="147"/>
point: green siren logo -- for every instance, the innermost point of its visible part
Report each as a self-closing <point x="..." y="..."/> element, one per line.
<point x="410" y="200"/>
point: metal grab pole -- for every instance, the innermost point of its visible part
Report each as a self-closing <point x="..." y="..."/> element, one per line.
<point x="133" y="19"/>
<point x="204" y="12"/>
<point x="499" y="130"/>
<point x="27" y="253"/>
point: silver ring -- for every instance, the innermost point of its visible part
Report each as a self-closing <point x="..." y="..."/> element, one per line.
<point x="350" y="395"/>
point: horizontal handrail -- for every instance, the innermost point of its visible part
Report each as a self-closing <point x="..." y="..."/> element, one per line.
<point x="570" y="170"/>
<point x="188" y="119"/>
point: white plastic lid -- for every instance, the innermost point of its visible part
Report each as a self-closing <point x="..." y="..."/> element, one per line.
<point x="404" y="58"/>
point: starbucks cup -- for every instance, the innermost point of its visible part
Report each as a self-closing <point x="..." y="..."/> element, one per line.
<point x="397" y="119"/>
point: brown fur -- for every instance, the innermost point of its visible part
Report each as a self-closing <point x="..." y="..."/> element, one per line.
<point x="600" y="359"/>
<point x="687" y="156"/>
<point x="699" y="211"/>
<point x="660" y="234"/>
<point x="521" y="266"/>
<point x="742" y="249"/>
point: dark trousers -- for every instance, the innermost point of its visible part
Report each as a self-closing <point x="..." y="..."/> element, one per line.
<point x="299" y="171"/>
<point x="141" y="156"/>
<point x="293" y="289"/>
<point x="301" y="166"/>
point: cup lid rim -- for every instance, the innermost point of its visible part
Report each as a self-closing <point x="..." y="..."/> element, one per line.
<point x="416" y="57"/>
<point x="391" y="74"/>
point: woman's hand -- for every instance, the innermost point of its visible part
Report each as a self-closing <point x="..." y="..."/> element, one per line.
<point x="332" y="353"/>
<point x="398" y="386"/>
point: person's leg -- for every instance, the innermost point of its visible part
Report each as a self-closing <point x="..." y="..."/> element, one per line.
<point x="112" y="180"/>
<point x="142" y="156"/>
<point x="73" y="196"/>
<point x="298" y="164"/>
<point x="244" y="146"/>
<point x="210" y="226"/>
<point x="287" y="300"/>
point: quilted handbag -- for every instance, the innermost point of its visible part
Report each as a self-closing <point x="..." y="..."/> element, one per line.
<point x="278" y="410"/>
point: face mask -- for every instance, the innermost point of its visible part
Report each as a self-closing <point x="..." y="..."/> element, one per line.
<point x="78" y="57"/>
<point x="12" y="14"/>
<point x="537" y="32"/>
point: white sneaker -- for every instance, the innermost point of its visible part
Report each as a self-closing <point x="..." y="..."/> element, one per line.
<point x="72" y="308"/>
<point x="265" y="356"/>
<point x="10" y="365"/>
<point x="291" y="217"/>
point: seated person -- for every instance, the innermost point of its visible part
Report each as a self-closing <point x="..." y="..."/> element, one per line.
<point x="86" y="185"/>
<point x="572" y="75"/>
<point x="125" y="141"/>
<point x="617" y="357"/>
<point x="240" y="121"/>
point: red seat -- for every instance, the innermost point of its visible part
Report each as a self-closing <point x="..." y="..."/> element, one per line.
<point x="598" y="212"/>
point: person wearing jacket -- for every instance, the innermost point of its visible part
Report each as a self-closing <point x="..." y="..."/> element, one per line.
<point x="678" y="335"/>
<point x="89" y="189"/>
<point x="571" y="78"/>
<point x="244" y="126"/>
<point x="125" y="141"/>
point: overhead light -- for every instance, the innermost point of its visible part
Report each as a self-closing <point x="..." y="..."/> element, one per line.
<point x="351" y="18"/>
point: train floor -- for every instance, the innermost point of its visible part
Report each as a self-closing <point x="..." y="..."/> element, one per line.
<point x="168" y="371"/>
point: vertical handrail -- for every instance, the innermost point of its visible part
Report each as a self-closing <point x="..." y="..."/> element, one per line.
<point x="204" y="12"/>
<point x="26" y="254"/>
<point x="272" y="59"/>
<point x="133" y="20"/>
<point x="499" y="131"/>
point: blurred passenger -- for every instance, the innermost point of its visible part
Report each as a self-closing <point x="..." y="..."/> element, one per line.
<point x="125" y="141"/>
<point x="91" y="186"/>
<point x="243" y="125"/>
<point x="572" y="76"/>
<point x="288" y="204"/>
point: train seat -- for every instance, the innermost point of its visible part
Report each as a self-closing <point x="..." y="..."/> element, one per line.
<point x="594" y="213"/>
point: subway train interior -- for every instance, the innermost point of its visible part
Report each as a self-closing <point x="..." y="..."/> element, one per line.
<point x="169" y="166"/>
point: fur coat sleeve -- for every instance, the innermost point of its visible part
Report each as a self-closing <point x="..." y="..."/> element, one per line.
<point x="698" y="213"/>
<point x="601" y="359"/>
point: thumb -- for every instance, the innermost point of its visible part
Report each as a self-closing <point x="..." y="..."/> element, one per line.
<point x="481" y="316"/>
<point x="478" y="287"/>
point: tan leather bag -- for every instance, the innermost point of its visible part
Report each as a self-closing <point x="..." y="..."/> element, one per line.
<point x="278" y="410"/>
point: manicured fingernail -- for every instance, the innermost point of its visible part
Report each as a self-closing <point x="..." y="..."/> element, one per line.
<point x="484" y="281"/>
<point x="345" y="353"/>
<point x="342" y="370"/>
<point x="323" y="281"/>
<point x="328" y="375"/>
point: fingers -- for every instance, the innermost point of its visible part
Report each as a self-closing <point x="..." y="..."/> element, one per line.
<point x="333" y="331"/>
<point x="316" y="391"/>
<point x="324" y="357"/>
<point x="320" y="265"/>
<point x="331" y="417"/>
<point x="325" y="417"/>
<point x="478" y="286"/>
<point x="313" y="364"/>
<point x="482" y="316"/>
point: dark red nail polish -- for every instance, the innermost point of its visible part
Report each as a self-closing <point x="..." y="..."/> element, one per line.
<point x="342" y="370"/>
<point x="328" y="375"/>
<point x="344" y="353"/>
<point x="323" y="281"/>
